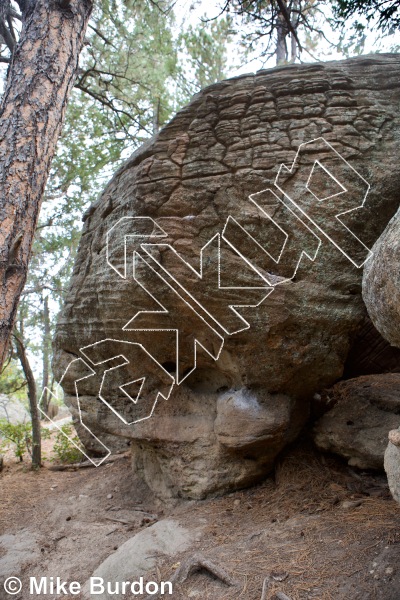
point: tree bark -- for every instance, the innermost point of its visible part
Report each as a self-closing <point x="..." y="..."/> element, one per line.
<point x="32" y="395"/>
<point x="46" y="350"/>
<point x="41" y="76"/>
<point x="281" y="47"/>
<point x="293" y="46"/>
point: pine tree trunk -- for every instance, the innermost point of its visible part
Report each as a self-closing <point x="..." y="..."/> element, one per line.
<point x="41" y="76"/>
<point x="46" y="341"/>
<point x="35" y="416"/>
<point x="294" y="20"/>
<point x="293" y="46"/>
<point x="281" y="47"/>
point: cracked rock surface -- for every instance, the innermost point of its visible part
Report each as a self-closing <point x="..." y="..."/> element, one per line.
<point x="381" y="293"/>
<point x="392" y="467"/>
<point x="197" y="173"/>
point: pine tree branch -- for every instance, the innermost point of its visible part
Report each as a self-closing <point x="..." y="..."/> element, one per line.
<point x="286" y="16"/>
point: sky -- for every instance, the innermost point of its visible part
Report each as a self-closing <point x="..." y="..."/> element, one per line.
<point x="188" y="11"/>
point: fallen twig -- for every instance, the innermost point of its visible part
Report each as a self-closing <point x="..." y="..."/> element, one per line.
<point x="86" y="464"/>
<point x="146" y="520"/>
<point x="112" y="531"/>
<point x="123" y="521"/>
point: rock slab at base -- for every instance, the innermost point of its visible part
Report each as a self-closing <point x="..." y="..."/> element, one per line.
<point x="139" y="555"/>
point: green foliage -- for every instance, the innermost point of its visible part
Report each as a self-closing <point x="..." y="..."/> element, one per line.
<point x="66" y="450"/>
<point x="46" y="433"/>
<point x="12" y="381"/>
<point x="352" y="42"/>
<point x="358" y="20"/>
<point x="19" y="435"/>
<point x="385" y="15"/>
<point x="205" y="48"/>
<point x="128" y="67"/>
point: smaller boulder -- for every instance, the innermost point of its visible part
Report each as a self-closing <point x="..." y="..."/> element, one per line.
<point x="392" y="463"/>
<point x="52" y="410"/>
<point x="244" y="423"/>
<point x="364" y="410"/>
<point x="139" y="555"/>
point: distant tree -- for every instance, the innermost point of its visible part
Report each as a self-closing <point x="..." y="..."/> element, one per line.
<point x="205" y="48"/>
<point x="273" y="26"/>
<point x="128" y="66"/>
<point x="21" y="351"/>
<point x="4" y="405"/>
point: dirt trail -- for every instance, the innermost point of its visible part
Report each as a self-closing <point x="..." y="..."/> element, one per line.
<point x="317" y="529"/>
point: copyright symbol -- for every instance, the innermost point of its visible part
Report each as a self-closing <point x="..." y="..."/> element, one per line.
<point x="12" y="585"/>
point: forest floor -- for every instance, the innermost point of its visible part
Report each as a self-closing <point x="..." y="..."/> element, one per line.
<point x="315" y="527"/>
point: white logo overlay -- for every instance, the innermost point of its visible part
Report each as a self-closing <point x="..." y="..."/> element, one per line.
<point x="313" y="202"/>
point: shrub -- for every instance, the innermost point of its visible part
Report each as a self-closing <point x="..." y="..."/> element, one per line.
<point x="46" y="433"/>
<point x="64" y="448"/>
<point x="19" y="434"/>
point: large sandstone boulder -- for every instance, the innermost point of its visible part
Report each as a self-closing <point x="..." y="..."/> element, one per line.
<point x="381" y="292"/>
<point x="381" y="282"/>
<point x="233" y="387"/>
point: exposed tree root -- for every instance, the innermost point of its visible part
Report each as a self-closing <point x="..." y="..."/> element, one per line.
<point x="265" y="589"/>
<point x="281" y="596"/>
<point x="278" y="595"/>
<point x="195" y="563"/>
